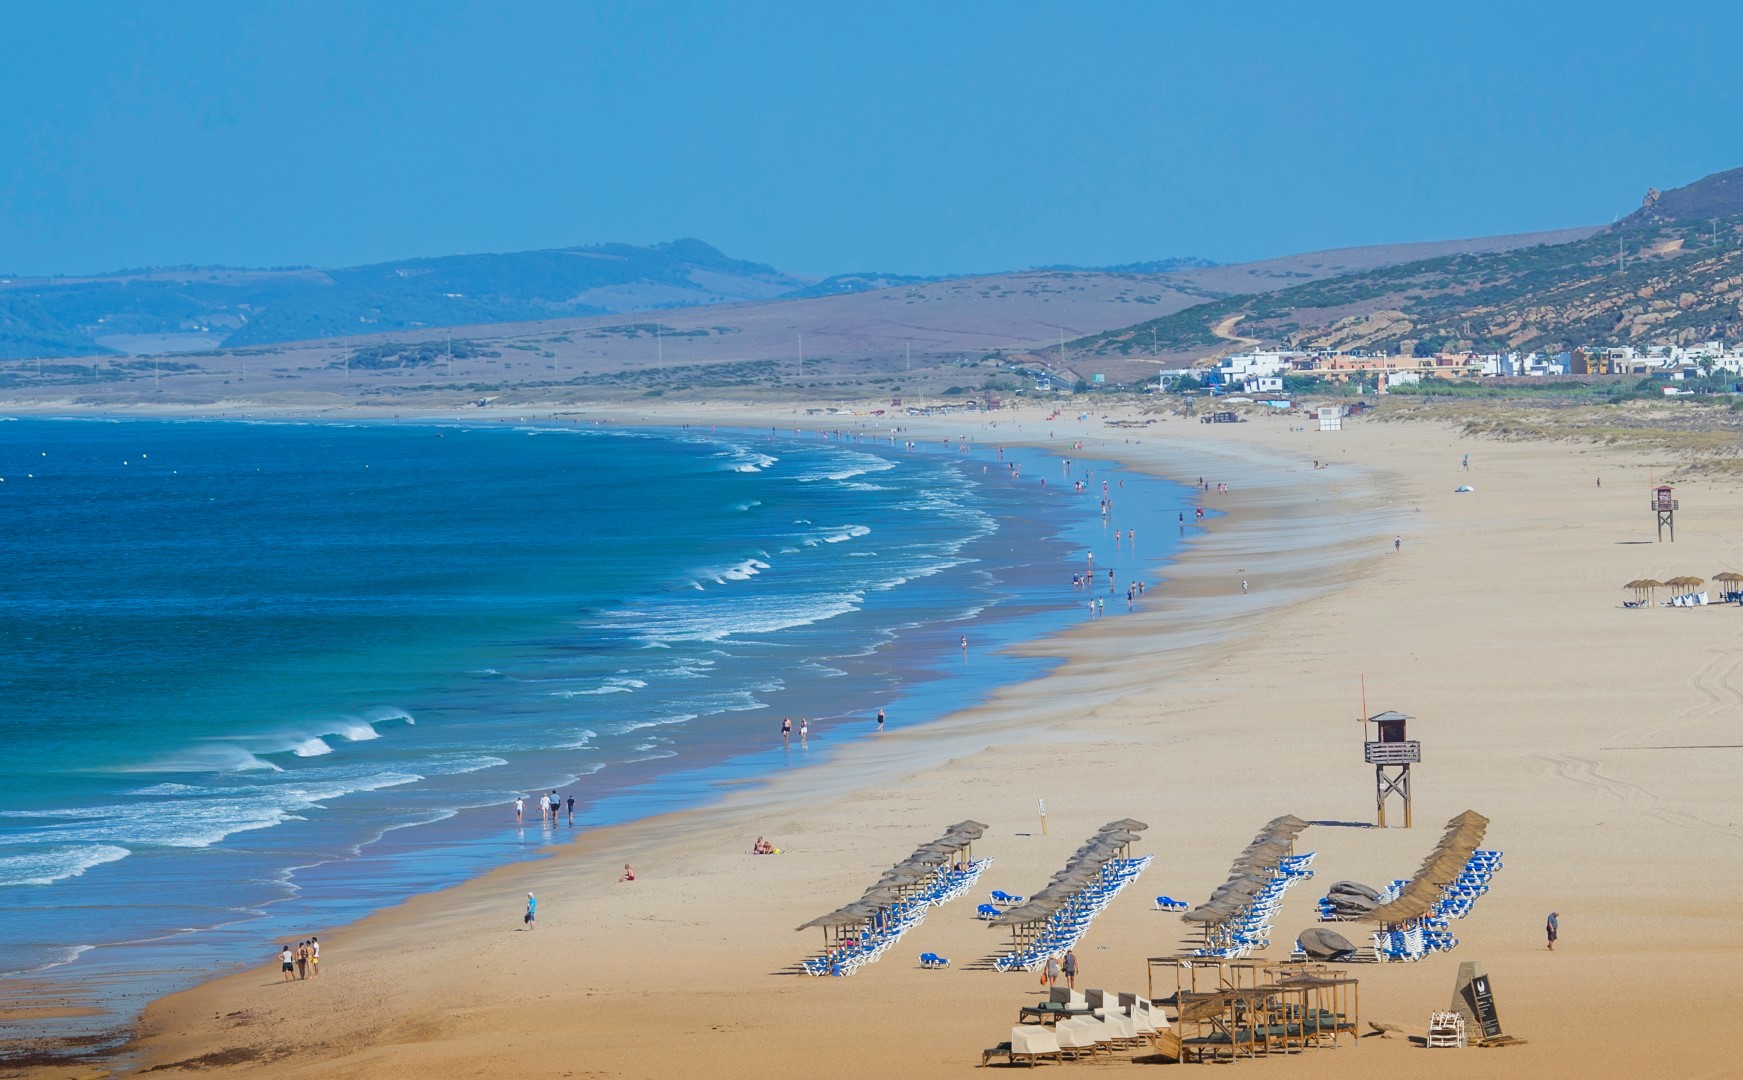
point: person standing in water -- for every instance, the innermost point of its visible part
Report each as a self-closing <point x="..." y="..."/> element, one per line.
<point x="786" y="729"/>
<point x="880" y="720"/>
<point x="804" y="730"/>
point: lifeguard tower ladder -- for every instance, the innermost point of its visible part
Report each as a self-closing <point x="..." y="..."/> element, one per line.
<point x="1391" y="755"/>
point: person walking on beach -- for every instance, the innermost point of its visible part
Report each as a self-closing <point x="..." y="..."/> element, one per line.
<point x="1070" y="970"/>
<point x="530" y="919"/>
<point x="556" y="810"/>
<point x="1398" y="543"/>
<point x="314" y="958"/>
<point x="1552" y="928"/>
<point x="287" y="963"/>
<point x="880" y="720"/>
<point x="1050" y="974"/>
<point x="1243" y="586"/>
<point x="571" y="811"/>
<point x="804" y="731"/>
<point x="786" y="729"/>
<point x="520" y="808"/>
<point x="1466" y="464"/>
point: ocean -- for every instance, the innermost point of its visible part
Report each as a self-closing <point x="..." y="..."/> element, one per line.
<point x="259" y="678"/>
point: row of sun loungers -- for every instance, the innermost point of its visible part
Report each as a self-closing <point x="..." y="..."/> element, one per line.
<point x="935" y="874"/>
<point x="1249" y="926"/>
<point x="1054" y="919"/>
<point x="1687" y="600"/>
<point x="1071" y="920"/>
<point x="888" y="927"/>
<point x="1083" y="1025"/>
<point x="1431" y="932"/>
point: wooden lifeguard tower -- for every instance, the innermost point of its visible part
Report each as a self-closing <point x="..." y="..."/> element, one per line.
<point x="1391" y="755"/>
<point x="1665" y="507"/>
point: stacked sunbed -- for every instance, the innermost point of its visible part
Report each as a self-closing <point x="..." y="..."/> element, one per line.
<point x="1240" y="914"/>
<point x="1056" y="917"/>
<point x="864" y="930"/>
<point x="1075" y="1025"/>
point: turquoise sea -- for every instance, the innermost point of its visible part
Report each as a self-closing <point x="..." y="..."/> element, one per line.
<point x="260" y="678"/>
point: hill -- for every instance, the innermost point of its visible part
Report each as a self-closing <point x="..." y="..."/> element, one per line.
<point x="194" y="308"/>
<point x="1672" y="273"/>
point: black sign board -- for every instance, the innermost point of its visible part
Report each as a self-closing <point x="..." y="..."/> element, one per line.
<point x="1483" y="1002"/>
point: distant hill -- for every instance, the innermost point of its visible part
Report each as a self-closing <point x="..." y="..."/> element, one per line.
<point x="843" y="284"/>
<point x="1672" y="273"/>
<point x="193" y="308"/>
<point x="1158" y="266"/>
<point x="1717" y="196"/>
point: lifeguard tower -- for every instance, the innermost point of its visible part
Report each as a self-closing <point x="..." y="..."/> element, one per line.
<point x="1391" y="755"/>
<point x="1665" y="507"/>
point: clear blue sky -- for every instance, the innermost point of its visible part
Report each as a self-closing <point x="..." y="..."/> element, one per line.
<point x="919" y="138"/>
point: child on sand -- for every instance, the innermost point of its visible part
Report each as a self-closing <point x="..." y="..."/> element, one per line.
<point x="628" y="874"/>
<point x="531" y="917"/>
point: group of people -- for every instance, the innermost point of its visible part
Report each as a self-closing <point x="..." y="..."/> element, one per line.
<point x="804" y="729"/>
<point x="763" y="847"/>
<point x="301" y="962"/>
<point x="550" y="808"/>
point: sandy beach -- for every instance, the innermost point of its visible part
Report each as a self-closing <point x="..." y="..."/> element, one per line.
<point x="1600" y="741"/>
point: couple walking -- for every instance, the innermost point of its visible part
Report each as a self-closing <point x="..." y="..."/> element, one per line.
<point x="1056" y="966"/>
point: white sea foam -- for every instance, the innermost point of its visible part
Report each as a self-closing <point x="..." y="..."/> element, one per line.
<point x="658" y="721"/>
<point x="57" y="863"/>
<point x="856" y="464"/>
<point x="581" y="741"/>
<point x="836" y="534"/>
<point x="741" y="460"/>
<point x="311" y="748"/>
<point x="762" y="616"/>
<point x="741" y="571"/>
<point x="594" y="692"/>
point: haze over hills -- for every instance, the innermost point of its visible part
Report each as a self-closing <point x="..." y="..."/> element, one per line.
<point x="184" y="309"/>
<point x="916" y="336"/>
<point x="1670" y="273"/>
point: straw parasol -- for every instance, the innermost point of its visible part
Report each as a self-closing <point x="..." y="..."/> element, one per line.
<point x="1643" y="587"/>
<point x="1730" y="578"/>
<point x="1686" y="582"/>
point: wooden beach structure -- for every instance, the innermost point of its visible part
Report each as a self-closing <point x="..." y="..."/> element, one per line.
<point x="1391" y="752"/>
<point x="1228" y="1010"/>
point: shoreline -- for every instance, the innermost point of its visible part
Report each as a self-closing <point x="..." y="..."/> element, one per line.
<point x="1029" y="644"/>
<point x="1499" y="626"/>
<point x="863" y="770"/>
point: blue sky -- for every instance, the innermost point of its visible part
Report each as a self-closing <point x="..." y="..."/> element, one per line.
<point x="917" y="138"/>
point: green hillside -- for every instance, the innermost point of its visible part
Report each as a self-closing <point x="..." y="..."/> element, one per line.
<point x="1657" y="277"/>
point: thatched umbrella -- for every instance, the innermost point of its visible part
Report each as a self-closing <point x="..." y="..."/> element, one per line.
<point x="1648" y="587"/>
<point x="1731" y="579"/>
<point x="1686" y="582"/>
